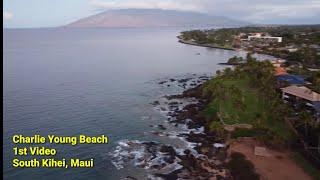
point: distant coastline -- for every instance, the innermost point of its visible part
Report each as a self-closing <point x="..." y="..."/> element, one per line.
<point x="204" y="45"/>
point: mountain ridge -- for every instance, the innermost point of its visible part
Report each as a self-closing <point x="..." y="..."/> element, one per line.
<point x="122" y="18"/>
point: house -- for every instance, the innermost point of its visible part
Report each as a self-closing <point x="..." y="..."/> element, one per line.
<point x="280" y="71"/>
<point x="289" y="79"/>
<point x="277" y="62"/>
<point x="292" y="49"/>
<point x="315" y="46"/>
<point x="302" y="96"/>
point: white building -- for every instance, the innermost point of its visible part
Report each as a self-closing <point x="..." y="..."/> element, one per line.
<point x="259" y="36"/>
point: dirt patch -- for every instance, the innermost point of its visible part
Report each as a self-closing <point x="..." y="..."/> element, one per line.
<point x="277" y="166"/>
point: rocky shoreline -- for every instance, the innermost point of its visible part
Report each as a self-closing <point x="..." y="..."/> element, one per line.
<point x="205" y="153"/>
<point x="210" y="163"/>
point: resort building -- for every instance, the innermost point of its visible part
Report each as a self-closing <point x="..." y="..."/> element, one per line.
<point x="301" y="96"/>
<point x="260" y="36"/>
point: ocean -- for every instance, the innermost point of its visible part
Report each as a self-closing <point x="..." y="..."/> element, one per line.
<point x="68" y="81"/>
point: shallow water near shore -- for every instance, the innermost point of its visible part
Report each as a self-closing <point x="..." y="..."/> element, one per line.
<point x="95" y="81"/>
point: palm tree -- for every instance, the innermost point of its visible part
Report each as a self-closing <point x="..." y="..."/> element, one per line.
<point x="237" y="97"/>
<point x="307" y="121"/>
<point x="227" y="72"/>
<point x="218" y="73"/>
<point x="219" y="93"/>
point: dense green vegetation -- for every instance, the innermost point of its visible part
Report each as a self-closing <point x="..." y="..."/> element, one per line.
<point x="304" y="38"/>
<point x="305" y="55"/>
<point x="222" y="39"/>
<point x="315" y="81"/>
<point x="235" y="60"/>
<point x="246" y="95"/>
<point x="196" y="35"/>
<point x="309" y="34"/>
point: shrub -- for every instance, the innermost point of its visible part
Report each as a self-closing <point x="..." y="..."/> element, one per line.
<point x="241" y="169"/>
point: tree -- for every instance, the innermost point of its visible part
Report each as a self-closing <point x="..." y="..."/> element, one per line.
<point x="237" y="96"/>
<point x="227" y="72"/>
<point x="217" y="127"/>
<point x="307" y="121"/>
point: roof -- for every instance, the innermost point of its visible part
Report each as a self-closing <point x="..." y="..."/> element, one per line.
<point x="302" y="92"/>
<point x="278" y="61"/>
<point x="280" y="71"/>
<point x="291" y="79"/>
<point x="316" y="105"/>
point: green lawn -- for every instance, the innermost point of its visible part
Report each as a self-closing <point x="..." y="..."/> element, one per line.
<point x="231" y="115"/>
<point x="253" y="112"/>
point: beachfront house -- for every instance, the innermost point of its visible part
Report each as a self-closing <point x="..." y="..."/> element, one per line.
<point x="278" y="71"/>
<point x="301" y="97"/>
<point x="277" y="62"/>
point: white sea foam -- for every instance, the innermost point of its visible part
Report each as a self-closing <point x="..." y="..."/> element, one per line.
<point x="137" y="153"/>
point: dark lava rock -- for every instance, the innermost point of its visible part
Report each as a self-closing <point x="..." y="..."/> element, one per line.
<point x="150" y="143"/>
<point x="184" y="80"/>
<point x="155" y="103"/>
<point x="161" y="127"/>
<point x="173" y="103"/>
<point x="169" y="150"/>
<point x="130" y="178"/>
<point x="192" y="167"/>
<point x="193" y="92"/>
<point x="188" y="161"/>
<point x="162" y="82"/>
<point x="179" y="96"/>
<point x="203" y="77"/>
<point x="158" y="166"/>
<point x="171" y="176"/>
<point x="163" y="109"/>
<point x="187" y="151"/>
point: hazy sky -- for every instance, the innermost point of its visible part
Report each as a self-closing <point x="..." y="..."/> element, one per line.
<point x="49" y="13"/>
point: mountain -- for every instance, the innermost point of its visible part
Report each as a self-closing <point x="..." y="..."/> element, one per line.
<point x="153" y="18"/>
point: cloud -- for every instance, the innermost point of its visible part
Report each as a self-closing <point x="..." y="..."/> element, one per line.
<point x="260" y="11"/>
<point x="7" y="15"/>
<point x="145" y="4"/>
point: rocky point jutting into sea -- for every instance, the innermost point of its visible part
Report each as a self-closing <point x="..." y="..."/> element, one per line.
<point x="204" y="153"/>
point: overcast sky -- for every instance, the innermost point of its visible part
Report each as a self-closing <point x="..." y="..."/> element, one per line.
<point x="50" y="13"/>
